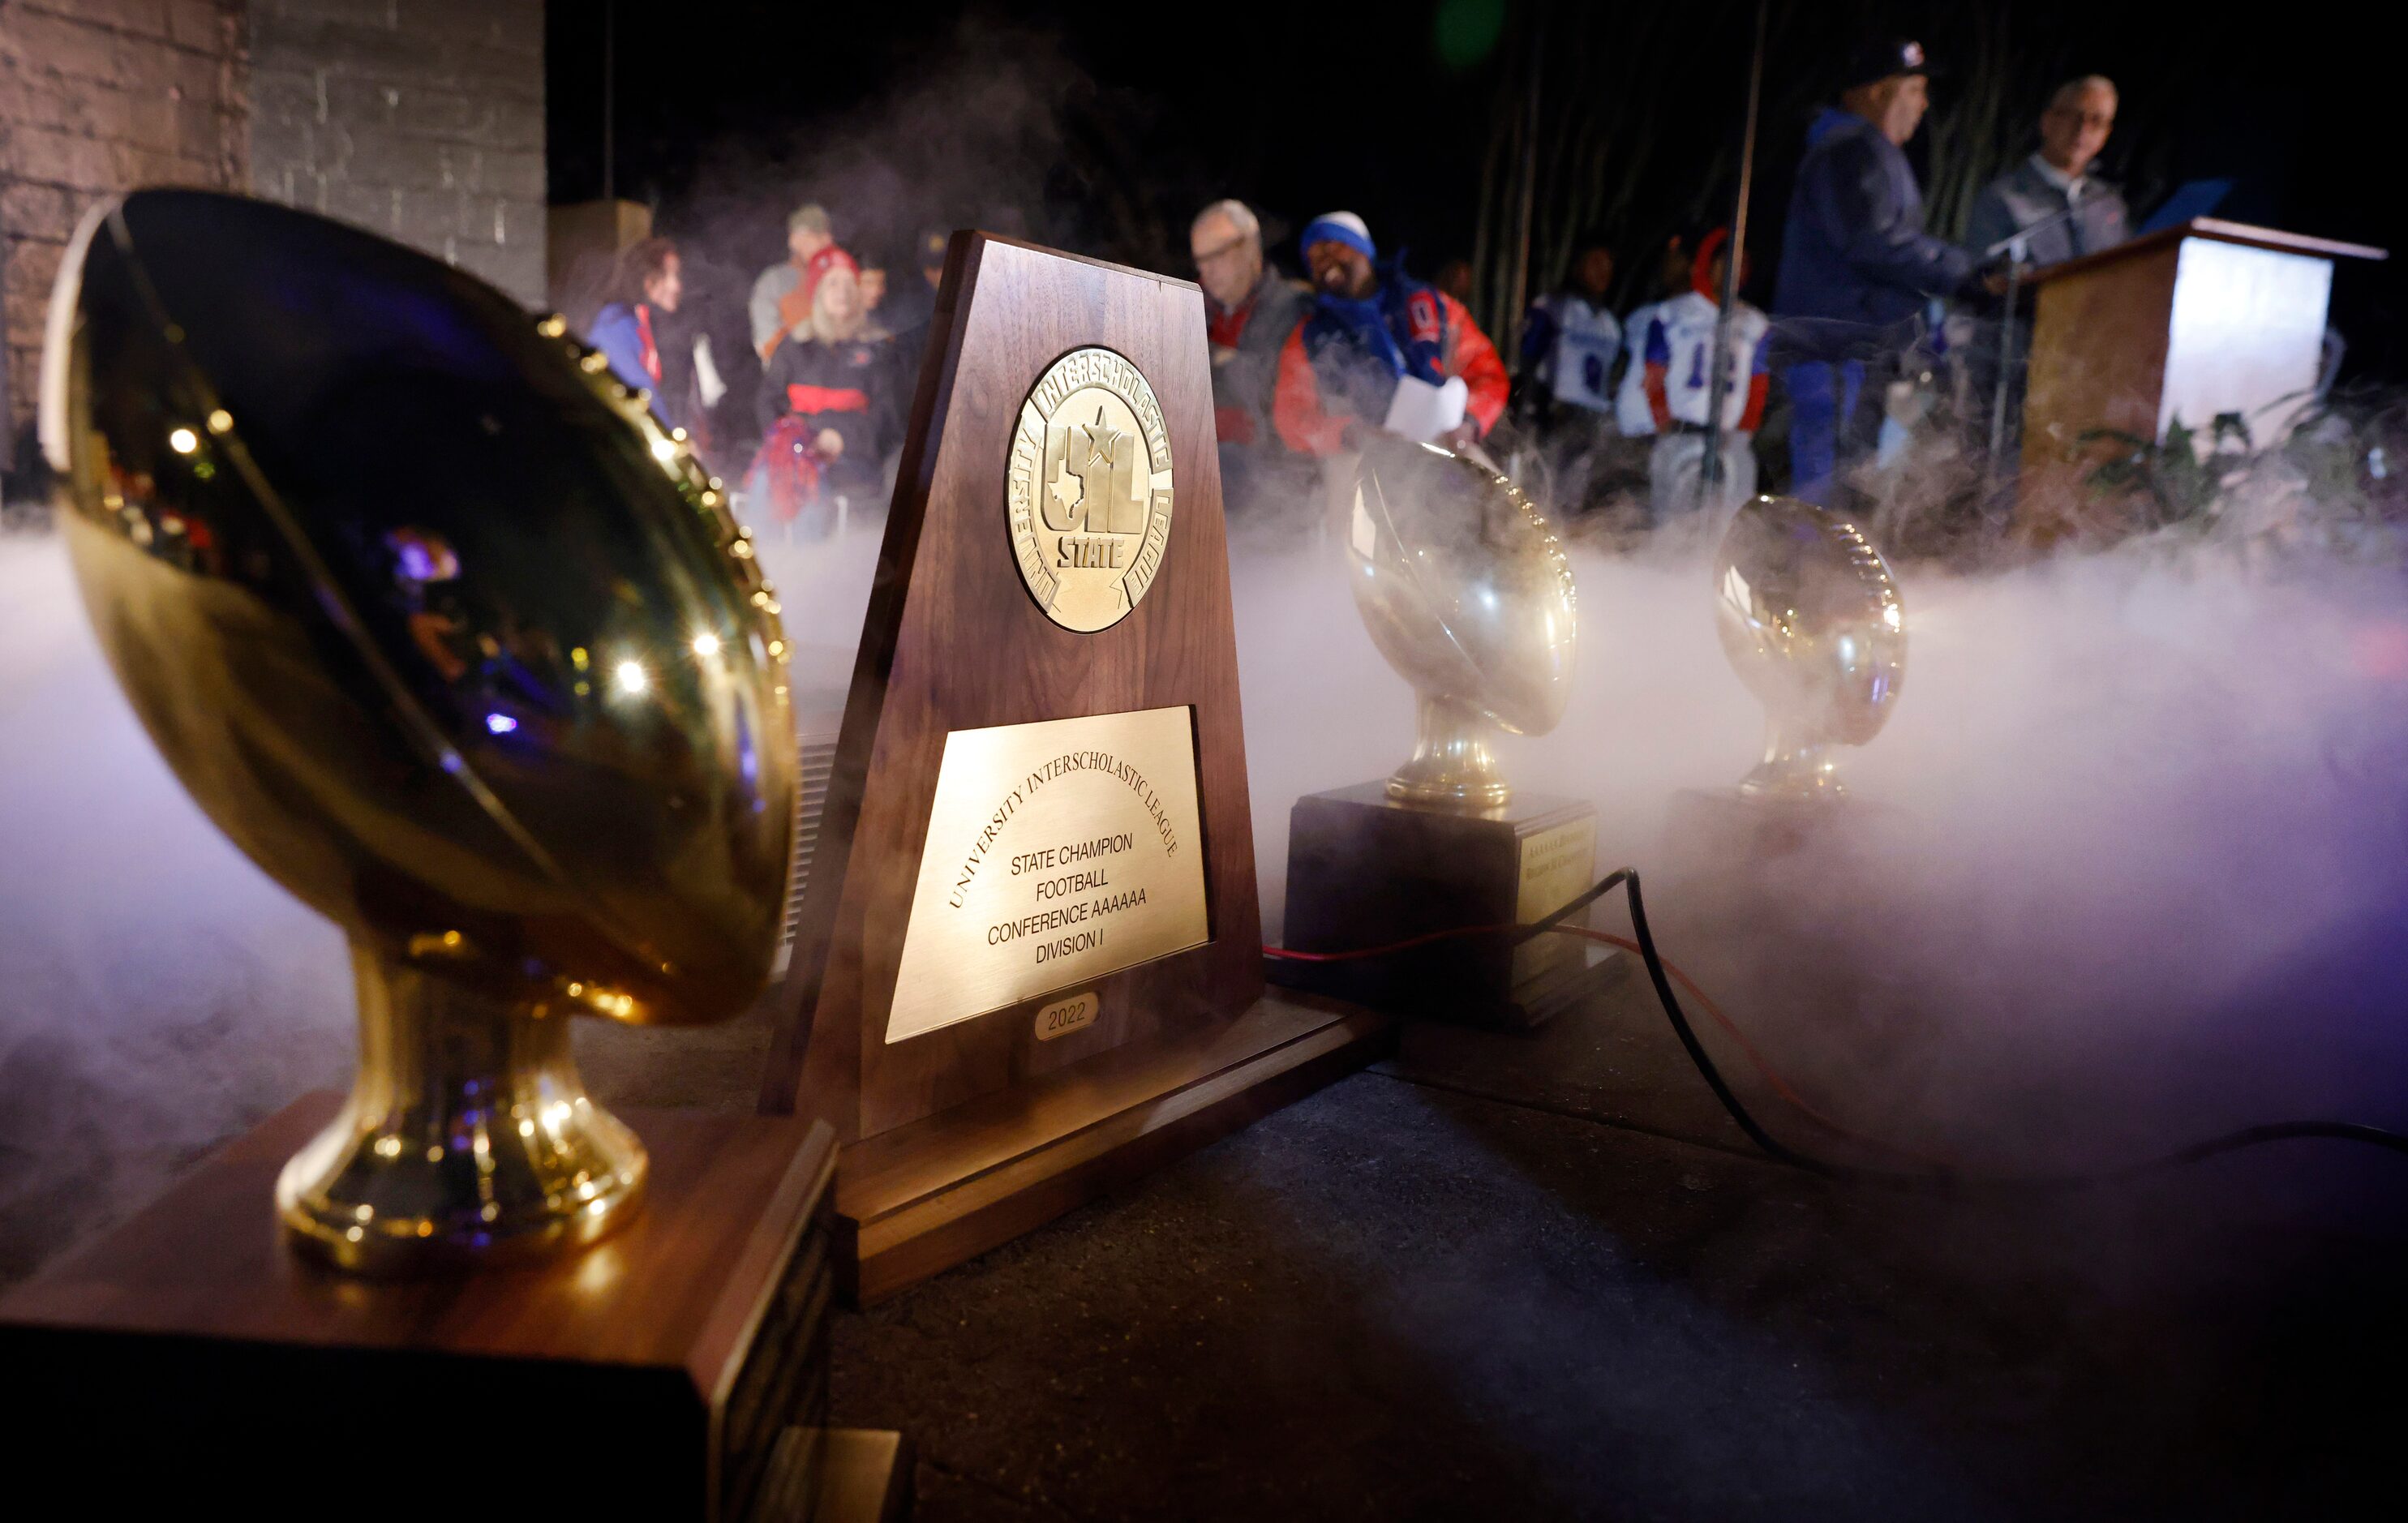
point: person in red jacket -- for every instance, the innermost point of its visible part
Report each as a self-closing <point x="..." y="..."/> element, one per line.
<point x="1370" y="329"/>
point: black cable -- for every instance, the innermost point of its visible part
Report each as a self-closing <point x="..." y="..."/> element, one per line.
<point x="1705" y="1065"/>
<point x="1580" y="901"/>
<point x="2223" y="1143"/>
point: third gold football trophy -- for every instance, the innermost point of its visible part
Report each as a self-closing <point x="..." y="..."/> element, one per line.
<point x="1813" y="623"/>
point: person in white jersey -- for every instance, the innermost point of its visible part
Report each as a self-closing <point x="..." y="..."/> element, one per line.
<point x="1676" y="377"/>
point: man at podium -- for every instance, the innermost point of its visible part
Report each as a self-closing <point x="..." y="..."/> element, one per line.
<point x="2052" y="198"/>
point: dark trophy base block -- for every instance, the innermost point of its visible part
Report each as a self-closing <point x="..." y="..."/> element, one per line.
<point x="1365" y="870"/>
<point x="924" y="1196"/>
<point x="190" y="1355"/>
<point x="1726" y="826"/>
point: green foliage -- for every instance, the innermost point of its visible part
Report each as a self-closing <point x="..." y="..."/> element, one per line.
<point x="2326" y="484"/>
<point x="2178" y="482"/>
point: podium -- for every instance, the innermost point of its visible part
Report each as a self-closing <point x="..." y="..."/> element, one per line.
<point x="2183" y="326"/>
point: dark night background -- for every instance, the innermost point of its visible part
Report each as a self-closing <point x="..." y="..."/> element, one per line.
<point x="1102" y="129"/>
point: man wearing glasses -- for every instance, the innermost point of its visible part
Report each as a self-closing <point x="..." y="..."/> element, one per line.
<point x="1249" y="310"/>
<point x="2069" y="210"/>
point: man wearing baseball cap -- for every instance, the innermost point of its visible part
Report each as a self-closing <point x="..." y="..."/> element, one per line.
<point x="781" y="297"/>
<point x="1856" y="267"/>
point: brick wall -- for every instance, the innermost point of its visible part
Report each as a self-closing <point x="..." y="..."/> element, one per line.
<point x="420" y="119"/>
<point x="96" y="96"/>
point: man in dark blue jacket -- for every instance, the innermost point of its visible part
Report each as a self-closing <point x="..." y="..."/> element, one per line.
<point x="1856" y="267"/>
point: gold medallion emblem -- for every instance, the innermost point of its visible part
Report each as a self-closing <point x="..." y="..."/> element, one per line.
<point x="1088" y="489"/>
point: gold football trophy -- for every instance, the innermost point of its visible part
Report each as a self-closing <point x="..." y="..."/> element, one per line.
<point x="1467" y="593"/>
<point x="448" y="634"/>
<point x="1811" y="620"/>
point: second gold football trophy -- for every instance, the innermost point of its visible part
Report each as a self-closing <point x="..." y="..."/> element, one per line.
<point x="1467" y="593"/>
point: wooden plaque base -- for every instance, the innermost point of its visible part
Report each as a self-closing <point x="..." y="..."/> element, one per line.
<point x="190" y="1356"/>
<point x="927" y="1196"/>
<point x="1363" y="870"/>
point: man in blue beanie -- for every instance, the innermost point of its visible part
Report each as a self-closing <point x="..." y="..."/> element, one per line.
<point x="1368" y="328"/>
<point x="1856" y="267"/>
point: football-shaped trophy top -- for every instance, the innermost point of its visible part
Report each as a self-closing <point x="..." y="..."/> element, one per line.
<point x="1811" y="622"/>
<point x="448" y="634"/>
<point x="1467" y="593"/>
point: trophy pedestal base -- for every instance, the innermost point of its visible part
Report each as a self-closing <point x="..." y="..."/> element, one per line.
<point x="192" y="1355"/>
<point x="924" y="1196"/>
<point x="1365" y="870"/>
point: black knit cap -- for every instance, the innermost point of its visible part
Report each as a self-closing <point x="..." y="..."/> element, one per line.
<point x="1882" y="57"/>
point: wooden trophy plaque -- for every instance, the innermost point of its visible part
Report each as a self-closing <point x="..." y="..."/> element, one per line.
<point x="1028" y="962"/>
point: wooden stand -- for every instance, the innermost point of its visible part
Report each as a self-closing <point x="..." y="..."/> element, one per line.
<point x="926" y="1197"/>
<point x="1365" y="870"/>
<point x="2186" y="325"/>
<point x="188" y="1355"/>
<point x="958" y="1138"/>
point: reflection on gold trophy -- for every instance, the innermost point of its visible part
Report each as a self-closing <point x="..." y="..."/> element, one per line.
<point x="1811" y="622"/>
<point x="435" y="622"/>
<point x="1467" y="593"/>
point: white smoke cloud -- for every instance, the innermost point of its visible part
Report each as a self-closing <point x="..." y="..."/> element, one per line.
<point x="157" y="992"/>
<point x="2128" y="863"/>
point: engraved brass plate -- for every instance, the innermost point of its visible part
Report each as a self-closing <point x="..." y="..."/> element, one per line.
<point x="1057" y="852"/>
<point x="1064" y="1016"/>
<point x="1557" y="865"/>
<point x="1088" y="489"/>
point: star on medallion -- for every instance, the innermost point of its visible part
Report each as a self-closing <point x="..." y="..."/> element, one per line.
<point x="1103" y="438"/>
